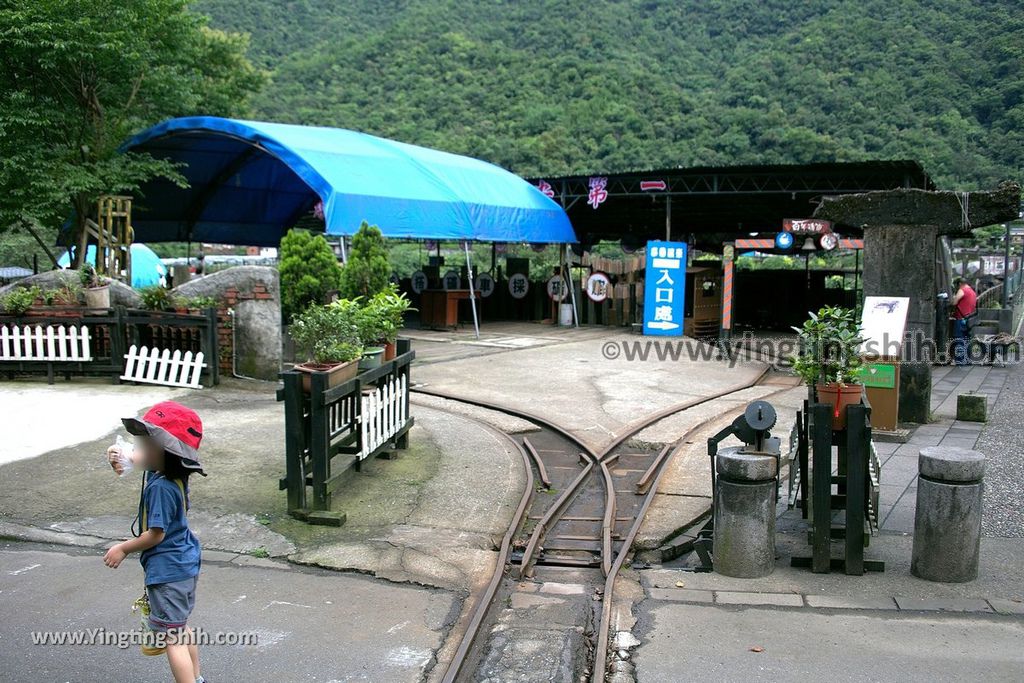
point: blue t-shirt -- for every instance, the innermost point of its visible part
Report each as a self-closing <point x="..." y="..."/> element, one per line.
<point x="177" y="556"/>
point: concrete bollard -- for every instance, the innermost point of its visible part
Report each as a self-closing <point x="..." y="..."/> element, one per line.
<point x="744" y="537"/>
<point x="947" y="522"/>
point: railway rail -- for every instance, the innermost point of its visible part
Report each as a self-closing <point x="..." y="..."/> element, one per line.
<point x="582" y="508"/>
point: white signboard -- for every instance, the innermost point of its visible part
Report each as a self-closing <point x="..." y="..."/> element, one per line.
<point x="556" y="288"/>
<point x="597" y="286"/>
<point x="484" y="285"/>
<point x="883" y="323"/>
<point x="518" y="286"/>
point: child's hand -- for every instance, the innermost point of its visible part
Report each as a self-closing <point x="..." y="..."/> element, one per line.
<point x="114" y="458"/>
<point x="114" y="557"/>
<point x="122" y="456"/>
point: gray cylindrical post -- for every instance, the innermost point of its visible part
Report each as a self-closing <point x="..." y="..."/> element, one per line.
<point x="947" y="522"/>
<point x="744" y="540"/>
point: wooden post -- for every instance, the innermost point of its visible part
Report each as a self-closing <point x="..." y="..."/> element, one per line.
<point x="857" y="438"/>
<point x="118" y="337"/>
<point x="802" y="445"/>
<point x="212" y="344"/>
<point x="294" y="441"/>
<point x="318" y="443"/>
<point x="821" y="504"/>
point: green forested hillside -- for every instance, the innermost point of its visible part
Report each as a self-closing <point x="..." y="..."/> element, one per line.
<point x="551" y="87"/>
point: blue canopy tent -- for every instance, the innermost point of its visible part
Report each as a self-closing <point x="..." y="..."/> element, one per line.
<point x="249" y="182"/>
<point x="147" y="268"/>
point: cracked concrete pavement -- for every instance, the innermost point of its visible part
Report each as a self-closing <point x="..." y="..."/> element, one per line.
<point x="575" y="384"/>
<point x="310" y="625"/>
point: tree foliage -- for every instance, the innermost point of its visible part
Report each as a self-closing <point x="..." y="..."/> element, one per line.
<point x="308" y="270"/>
<point x="367" y="270"/>
<point x="78" y="77"/>
<point x="576" y="86"/>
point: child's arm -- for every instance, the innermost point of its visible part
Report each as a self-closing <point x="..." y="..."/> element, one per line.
<point x="146" y="540"/>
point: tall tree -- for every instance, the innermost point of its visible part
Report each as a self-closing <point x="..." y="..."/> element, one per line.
<point x="78" y="77"/>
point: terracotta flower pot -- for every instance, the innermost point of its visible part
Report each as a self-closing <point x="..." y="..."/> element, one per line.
<point x="338" y="373"/>
<point x="389" y="351"/>
<point x="839" y="396"/>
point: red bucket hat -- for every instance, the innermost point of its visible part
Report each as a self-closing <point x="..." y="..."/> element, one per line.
<point x="177" y="428"/>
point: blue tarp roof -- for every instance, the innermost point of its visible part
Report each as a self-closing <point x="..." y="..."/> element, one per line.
<point x="252" y="181"/>
<point x="147" y="269"/>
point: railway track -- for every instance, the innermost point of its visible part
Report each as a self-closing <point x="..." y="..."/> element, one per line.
<point x="581" y="510"/>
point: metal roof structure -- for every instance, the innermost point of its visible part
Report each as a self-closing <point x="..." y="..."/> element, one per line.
<point x="715" y="204"/>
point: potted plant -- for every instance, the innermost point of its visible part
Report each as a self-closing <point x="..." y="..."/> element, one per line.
<point x="68" y="295"/>
<point x="830" y="360"/>
<point x="368" y="323"/>
<point x="19" y="300"/>
<point x="155" y="298"/>
<point x="178" y="303"/>
<point x="97" y="287"/>
<point x="197" y="303"/>
<point x="328" y="336"/>
<point x="391" y="305"/>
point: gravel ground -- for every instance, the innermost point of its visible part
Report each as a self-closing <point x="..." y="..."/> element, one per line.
<point x="1002" y="441"/>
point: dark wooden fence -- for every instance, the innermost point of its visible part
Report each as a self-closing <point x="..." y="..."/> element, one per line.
<point x="816" y="451"/>
<point x="113" y="331"/>
<point x="331" y="430"/>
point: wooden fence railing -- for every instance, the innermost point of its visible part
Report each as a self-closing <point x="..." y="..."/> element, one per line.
<point x="332" y="429"/>
<point x="112" y="332"/>
<point x="816" y="452"/>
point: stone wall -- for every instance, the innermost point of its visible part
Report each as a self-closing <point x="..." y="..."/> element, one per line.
<point x="249" y="315"/>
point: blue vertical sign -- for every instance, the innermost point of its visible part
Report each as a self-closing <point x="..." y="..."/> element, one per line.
<point x="665" y="288"/>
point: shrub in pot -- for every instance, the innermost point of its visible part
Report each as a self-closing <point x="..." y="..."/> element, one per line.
<point x="18" y="301"/>
<point x="68" y="295"/>
<point x="328" y="337"/>
<point x="95" y="286"/>
<point x="368" y="324"/>
<point x="156" y="298"/>
<point x="197" y="303"/>
<point x="391" y="306"/>
<point x="829" y="359"/>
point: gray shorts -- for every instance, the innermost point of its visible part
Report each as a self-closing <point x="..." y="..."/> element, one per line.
<point x="170" y="604"/>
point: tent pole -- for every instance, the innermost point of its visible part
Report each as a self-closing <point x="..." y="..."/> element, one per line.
<point x="569" y="283"/>
<point x="344" y="256"/>
<point x="472" y="294"/>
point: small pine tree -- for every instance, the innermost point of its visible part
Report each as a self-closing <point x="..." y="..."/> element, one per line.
<point x="367" y="271"/>
<point x="308" y="271"/>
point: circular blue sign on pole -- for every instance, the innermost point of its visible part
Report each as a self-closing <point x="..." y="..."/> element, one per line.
<point x="784" y="240"/>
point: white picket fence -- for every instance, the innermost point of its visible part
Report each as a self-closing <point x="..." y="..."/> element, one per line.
<point x="153" y="366"/>
<point x="49" y="343"/>
<point x="383" y="414"/>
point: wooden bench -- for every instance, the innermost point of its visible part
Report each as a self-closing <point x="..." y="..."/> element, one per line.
<point x="47" y="344"/>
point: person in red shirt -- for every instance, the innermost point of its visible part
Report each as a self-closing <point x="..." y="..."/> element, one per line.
<point x="965" y="303"/>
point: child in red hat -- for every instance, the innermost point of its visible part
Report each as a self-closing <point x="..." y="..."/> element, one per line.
<point x="168" y="449"/>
